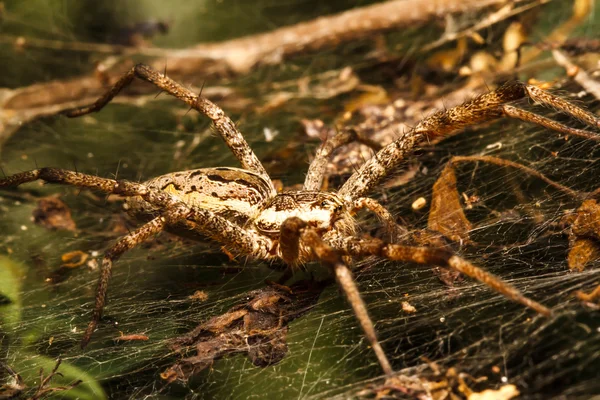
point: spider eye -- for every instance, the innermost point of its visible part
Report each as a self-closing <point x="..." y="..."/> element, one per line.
<point x="324" y="204"/>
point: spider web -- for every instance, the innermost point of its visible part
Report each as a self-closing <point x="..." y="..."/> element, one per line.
<point x="516" y="220"/>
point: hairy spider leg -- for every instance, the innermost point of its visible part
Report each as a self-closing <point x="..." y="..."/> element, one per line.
<point x="362" y="247"/>
<point x="294" y="230"/>
<point x="528" y="116"/>
<point x="486" y="107"/>
<point x="316" y="169"/>
<point x="394" y="230"/>
<point x="223" y="124"/>
<point x="205" y="221"/>
<point x="111" y="255"/>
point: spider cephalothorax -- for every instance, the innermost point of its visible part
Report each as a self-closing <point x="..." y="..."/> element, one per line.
<point x="320" y="210"/>
<point x="241" y="209"/>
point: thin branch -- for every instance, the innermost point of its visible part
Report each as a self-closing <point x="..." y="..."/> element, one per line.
<point x="235" y="56"/>
<point x="503" y="13"/>
<point x="579" y="75"/>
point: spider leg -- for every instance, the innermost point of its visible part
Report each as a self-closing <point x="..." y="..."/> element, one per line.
<point x="64" y="176"/>
<point x="486" y="107"/>
<point x="203" y="221"/>
<point x="393" y="229"/>
<point x="223" y="124"/>
<point x="56" y="175"/>
<point x="560" y="104"/>
<point x="528" y="116"/>
<point x="124" y="244"/>
<point x="431" y="256"/>
<point x="226" y="232"/>
<point x="316" y="170"/>
<point x="295" y="230"/>
<point x="177" y="214"/>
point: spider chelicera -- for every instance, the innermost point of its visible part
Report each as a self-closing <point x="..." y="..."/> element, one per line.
<point x="241" y="209"/>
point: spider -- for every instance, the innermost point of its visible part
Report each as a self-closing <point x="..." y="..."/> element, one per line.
<point x="241" y="209"/>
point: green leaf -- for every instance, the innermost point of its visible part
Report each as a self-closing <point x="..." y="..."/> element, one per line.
<point x="28" y="366"/>
<point x="11" y="277"/>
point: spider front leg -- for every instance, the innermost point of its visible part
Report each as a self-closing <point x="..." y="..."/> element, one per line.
<point x="295" y="231"/>
<point x="486" y="107"/>
<point x="358" y="247"/>
<point x="223" y="124"/>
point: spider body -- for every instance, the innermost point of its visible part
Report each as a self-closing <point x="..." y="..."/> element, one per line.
<point x="246" y="199"/>
<point x="240" y="208"/>
<point x="232" y="193"/>
<point x="326" y="213"/>
<point x="322" y="211"/>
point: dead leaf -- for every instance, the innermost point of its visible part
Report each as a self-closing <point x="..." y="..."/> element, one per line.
<point x="582" y="251"/>
<point x="74" y="259"/>
<point x="506" y="392"/>
<point x="446" y="214"/>
<point x="53" y="213"/>
<point x="584" y="236"/>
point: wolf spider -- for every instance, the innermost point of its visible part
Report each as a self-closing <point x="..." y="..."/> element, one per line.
<point x="241" y="209"/>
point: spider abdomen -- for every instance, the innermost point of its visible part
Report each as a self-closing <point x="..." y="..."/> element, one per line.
<point x="233" y="193"/>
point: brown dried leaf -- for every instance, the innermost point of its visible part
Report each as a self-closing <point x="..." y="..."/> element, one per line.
<point x="257" y="327"/>
<point x="582" y="252"/>
<point x="587" y="221"/>
<point x="446" y="214"/>
<point x="74" y="259"/>
<point x="585" y="233"/>
<point x="53" y="213"/>
<point x="506" y="392"/>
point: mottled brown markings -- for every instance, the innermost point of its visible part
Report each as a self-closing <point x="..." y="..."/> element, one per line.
<point x="217" y="178"/>
<point x="243" y="182"/>
<point x="283" y="202"/>
<point x="172" y="183"/>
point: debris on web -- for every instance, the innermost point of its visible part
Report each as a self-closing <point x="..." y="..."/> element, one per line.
<point x="257" y="328"/>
